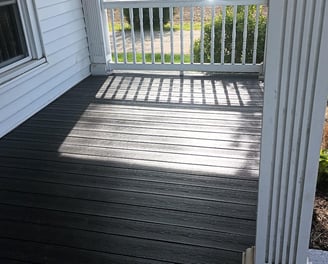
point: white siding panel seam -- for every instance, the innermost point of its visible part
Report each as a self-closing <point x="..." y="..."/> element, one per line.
<point x="54" y="59"/>
<point x="63" y="31"/>
<point x="74" y="48"/>
<point x="42" y="102"/>
<point x="59" y="21"/>
<point x="58" y="9"/>
<point x="42" y="89"/>
<point x="12" y="95"/>
<point x="65" y="41"/>
<point x="47" y="3"/>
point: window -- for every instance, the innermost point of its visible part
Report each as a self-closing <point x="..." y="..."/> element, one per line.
<point x="12" y="40"/>
<point x="20" y="42"/>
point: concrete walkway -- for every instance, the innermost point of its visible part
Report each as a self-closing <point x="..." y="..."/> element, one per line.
<point x="318" y="256"/>
<point x="157" y="41"/>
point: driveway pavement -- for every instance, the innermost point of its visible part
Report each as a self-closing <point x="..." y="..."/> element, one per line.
<point x="157" y="41"/>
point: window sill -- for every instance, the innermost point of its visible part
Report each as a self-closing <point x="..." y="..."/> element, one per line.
<point x="19" y="70"/>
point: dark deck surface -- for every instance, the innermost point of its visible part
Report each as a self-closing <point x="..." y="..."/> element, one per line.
<point x="134" y="169"/>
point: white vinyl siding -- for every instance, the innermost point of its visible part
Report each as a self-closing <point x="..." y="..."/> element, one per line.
<point x="66" y="49"/>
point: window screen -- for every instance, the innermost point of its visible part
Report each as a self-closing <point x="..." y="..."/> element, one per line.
<point x="12" y="40"/>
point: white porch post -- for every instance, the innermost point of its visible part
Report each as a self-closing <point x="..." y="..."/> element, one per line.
<point x="296" y="89"/>
<point x="98" y="36"/>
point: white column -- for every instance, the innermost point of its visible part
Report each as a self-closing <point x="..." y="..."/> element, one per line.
<point x="98" y="36"/>
<point x="296" y="89"/>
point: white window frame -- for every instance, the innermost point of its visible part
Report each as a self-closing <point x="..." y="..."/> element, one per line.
<point x="33" y="42"/>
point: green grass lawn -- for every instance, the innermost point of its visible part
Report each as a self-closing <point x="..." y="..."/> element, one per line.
<point x="166" y="27"/>
<point x="148" y="59"/>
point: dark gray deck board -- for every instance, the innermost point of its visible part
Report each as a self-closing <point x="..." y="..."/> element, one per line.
<point x="216" y="193"/>
<point x="127" y="136"/>
<point x="134" y="169"/>
<point x="120" y="172"/>
<point x="124" y="211"/>
<point x="131" y="246"/>
<point x="171" y="202"/>
<point x="41" y="252"/>
<point x="127" y="227"/>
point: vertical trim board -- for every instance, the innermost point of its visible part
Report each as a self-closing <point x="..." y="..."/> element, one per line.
<point x="294" y="106"/>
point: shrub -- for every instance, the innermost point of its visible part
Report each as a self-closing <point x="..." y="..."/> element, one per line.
<point x="228" y="37"/>
<point x="146" y="22"/>
<point x="322" y="182"/>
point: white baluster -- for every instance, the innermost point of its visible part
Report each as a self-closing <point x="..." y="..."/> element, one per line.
<point x="113" y="34"/>
<point x="223" y="33"/>
<point x="181" y="36"/>
<point x="256" y="33"/>
<point x="142" y="35"/>
<point x="132" y="35"/>
<point x="171" y="35"/>
<point x="212" y="34"/>
<point x="161" y="33"/>
<point x="151" y="20"/>
<point x="202" y="36"/>
<point x="191" y="34"/>
<point x="233" y="44"/>
<point x="123" y="35"/>
<point x="245" y="35"/>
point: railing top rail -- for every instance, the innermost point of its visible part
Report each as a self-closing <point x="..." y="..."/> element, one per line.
<point x="177" y="3"/>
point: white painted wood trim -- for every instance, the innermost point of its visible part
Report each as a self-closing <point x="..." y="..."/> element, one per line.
<point x="294" y="104"/>
<point x="315" y="134"/>
<point x="177" y="3"/>
<point x="18" y="71"/>
<point x="33" y="40"/>
<point x="98" y="39"/>
<point x="206" y="63"/>
<point x="216" y="67"/>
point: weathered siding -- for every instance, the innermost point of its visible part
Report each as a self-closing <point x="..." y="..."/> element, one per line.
<point x="65" y="43"/>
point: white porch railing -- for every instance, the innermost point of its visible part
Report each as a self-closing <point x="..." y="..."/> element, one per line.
<point x="221" y="35"/>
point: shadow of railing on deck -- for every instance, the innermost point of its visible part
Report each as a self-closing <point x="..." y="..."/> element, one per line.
<point x="184" y="91"/>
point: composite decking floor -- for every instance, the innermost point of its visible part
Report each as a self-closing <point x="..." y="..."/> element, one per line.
<point x="134" y="169"/>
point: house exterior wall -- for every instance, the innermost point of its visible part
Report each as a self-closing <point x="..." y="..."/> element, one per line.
<point x="64" y="37"/>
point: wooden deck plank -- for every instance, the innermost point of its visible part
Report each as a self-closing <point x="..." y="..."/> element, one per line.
<point x="13" y="261"/>
<point x="39" y="252"/>
<point x="201" y="192"/>
<point x="126" y="227"/>
<point x="126" y="136"/>
<point x="201" y="91"/>
<point x="23" y="140"/>
<point x="137" y="121"/>
<point x="134" y="169"/>
<point x="115" y="125"/>
<point x="151" y="155"/>
<point x="188" y="167"/>
<point x="242" y="137"/>
<point x="129" y="212"/>
<point x="149" y="112"/>
<point x="131" y="246"/>
<point x="176" y="99"/>
<point x="225" y="121"/>
<point x="117" y="171"/>
<point x="165" y="201"/>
